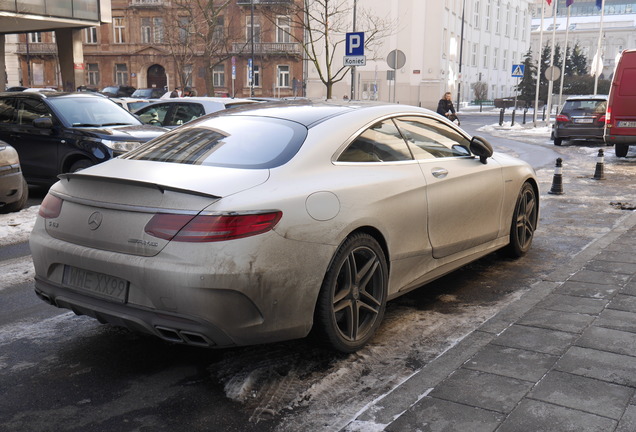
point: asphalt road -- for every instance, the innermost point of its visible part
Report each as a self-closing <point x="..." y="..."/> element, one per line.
<point x="60" y="372"/>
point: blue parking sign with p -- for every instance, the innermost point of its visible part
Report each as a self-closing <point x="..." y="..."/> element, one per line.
<point x="354" y="45"/>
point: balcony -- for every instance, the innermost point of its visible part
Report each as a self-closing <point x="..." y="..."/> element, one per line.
<point x="36" y="48"/>
<point x="267" y="48"/>
<point x="149" y="3"/>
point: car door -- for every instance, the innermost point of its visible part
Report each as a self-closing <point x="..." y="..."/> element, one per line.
<point x="37" y="147"/>
<point x="464" y="195"/>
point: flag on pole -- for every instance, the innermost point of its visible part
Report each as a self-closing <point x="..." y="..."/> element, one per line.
<point x="599" y="4"/>
<point x="568" y="3"/>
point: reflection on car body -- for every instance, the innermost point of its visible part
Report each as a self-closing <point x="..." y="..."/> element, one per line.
<point x="265" y="223"/>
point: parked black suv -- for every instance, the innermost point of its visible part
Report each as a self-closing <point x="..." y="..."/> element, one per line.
<point x="55" y="133"/>
<point x="582" y="117"/>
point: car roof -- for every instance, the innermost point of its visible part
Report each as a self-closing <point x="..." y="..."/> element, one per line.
<point x="50" y="95"/>
<point x="587" y="97"/>
<point x="311" y="112"/>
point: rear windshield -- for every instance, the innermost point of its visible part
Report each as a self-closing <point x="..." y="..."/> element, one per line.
<point x="585" y="107"/>
<point x="92" y="112"/>
<point x="227" y="141"/>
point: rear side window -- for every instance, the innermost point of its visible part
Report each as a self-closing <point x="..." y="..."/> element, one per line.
<point x="227" y="141"/>
<point x="381" y="142"/>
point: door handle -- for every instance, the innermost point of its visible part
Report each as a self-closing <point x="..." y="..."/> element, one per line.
<point x="439" y="172"/>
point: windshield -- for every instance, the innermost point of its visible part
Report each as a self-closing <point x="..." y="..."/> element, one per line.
<point x="228" y="141"/>
<point x="92" y="112"/>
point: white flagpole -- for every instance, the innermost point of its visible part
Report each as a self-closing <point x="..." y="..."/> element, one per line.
<point x="536" y="95"/>
<point x="599" y="62"/>
<point x="551" y="81"/>
<point x="565" y="51"/>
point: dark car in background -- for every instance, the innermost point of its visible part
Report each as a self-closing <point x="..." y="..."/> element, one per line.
<point x="149" y="93"/>
<point x="14" y="190"/>
<point x="581" y="118"/>
<point x="56" y="133"/>
<point x="118" y="91"/>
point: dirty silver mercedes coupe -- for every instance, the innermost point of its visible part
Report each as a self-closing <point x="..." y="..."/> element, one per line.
<point x="274" y="221"/>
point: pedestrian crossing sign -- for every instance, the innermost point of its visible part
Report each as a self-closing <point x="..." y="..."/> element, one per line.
<point x="517" y="70"/>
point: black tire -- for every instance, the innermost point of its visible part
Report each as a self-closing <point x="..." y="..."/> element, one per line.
<point x="524" y="222"/>
<point x="19" y="204"/>
<point x="558" y="141"/>
<point x="80" y="165"/>
<point x="353" y="295"/>
<point x="621" y="150"/>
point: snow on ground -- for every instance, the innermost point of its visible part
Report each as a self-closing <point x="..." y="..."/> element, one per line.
<point x="16" y="227"/>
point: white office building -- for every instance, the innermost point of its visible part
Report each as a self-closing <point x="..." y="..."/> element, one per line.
<point x="495" y="35"/>
<point x="584" y="27"/>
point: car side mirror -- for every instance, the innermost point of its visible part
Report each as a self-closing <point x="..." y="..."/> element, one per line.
<point x="482" y="148"/>
<point x="43" y="123"/>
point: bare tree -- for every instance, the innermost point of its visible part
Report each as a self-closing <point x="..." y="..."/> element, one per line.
<point x="200" y="32"/>
<point x="324" y="24"/>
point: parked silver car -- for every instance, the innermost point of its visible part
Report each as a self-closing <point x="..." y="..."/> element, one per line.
<point x="174" y="112"/>
<point x="261" y="224"/>
<point x="14" y="191"/>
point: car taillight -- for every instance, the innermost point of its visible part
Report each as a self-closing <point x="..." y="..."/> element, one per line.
<point x="601" y="119"/>
<point x="51" y="207"/>
<point x="608" y="116"/>
<point x="210" y="228"/>
<point x="562" y="118"/>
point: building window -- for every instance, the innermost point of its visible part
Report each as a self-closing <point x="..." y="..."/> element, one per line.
<point x="507" y="20"/>
<point x="121" y="74"/>
<point x="218" y="75"/>
<point x="473" y="55"/>
<point x="487" y="16"/>
<point x="146" y="30"/>
<point x="485" y="63"/>
<point x="158" y="31"/>
<point x="92" y="72"/>
<point x="35" y="37"/>
<point x="187" y="74"/>
<point x="282" y="76"/>
<point x="283" y="29"/>
<point x="119" y="35"/>
<point x="256" y="75"/>
<point x="476" y="15"/>
<point x="504" y="65"/>
<point x="524" y="25"/>
<point x="497" y="17"/>
<point x="219" y="28"/>
<point x="257" y="29"/>
<point x="90" y="35"/>
<point x="516" y="26"/>
<point x="184" y="29"/>
<point x="495" y="57"/>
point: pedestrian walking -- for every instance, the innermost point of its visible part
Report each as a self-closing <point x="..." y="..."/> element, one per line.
<point x="445" y="108"/>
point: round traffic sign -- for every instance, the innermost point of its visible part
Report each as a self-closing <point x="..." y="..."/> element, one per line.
<point x="396" y="59"/>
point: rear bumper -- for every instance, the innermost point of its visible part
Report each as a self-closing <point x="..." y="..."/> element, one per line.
<point x="567" y="132"/>
<point x="620" y="139"/>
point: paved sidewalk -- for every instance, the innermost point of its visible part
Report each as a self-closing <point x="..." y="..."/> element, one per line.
<point x="562" y="358"/>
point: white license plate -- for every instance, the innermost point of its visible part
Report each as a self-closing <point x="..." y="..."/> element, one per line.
<point x="629" y="124"/>
<point x="96" y="284"/>
<point x="583" y="120"/>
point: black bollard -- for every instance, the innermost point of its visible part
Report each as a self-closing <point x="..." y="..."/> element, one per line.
<point x="600" y="161"/>
<point x="543" y="112"/>
<point x="501" y="116"/>
<point x="525" y="110"/>
<point x="512" y="122"/>
<point x="557" y="180"/>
